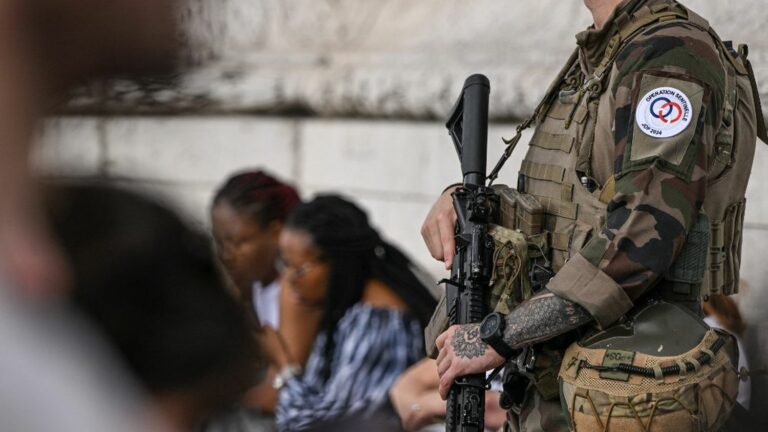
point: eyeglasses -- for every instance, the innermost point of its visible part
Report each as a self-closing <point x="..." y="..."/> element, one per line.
<point x="295" y="272"/>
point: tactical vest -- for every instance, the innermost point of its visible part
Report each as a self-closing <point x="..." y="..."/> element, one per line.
<point x="562" y="147"/>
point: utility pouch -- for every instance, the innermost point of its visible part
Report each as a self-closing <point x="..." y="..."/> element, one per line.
<point x="520" y="211"/>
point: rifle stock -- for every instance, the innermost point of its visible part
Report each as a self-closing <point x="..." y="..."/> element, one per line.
<point x="475" y="206"/>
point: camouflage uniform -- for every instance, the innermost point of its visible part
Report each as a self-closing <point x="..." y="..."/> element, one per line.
<point x="620" y="201"/>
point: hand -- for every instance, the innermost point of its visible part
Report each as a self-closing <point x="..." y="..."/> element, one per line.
<point x="414" y="396"/>
<point x="439" y="226"/>
<point x="462" y="352"/>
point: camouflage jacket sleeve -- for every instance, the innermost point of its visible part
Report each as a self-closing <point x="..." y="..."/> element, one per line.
<point x="667" y="88"/>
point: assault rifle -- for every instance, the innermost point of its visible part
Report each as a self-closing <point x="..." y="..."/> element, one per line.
<point x="476" y="206"/>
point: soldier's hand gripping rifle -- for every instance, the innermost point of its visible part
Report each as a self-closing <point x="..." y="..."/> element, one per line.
<point x="476" y="206"/>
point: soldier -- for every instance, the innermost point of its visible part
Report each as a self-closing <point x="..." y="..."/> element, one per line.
<point x="645" y="138"/>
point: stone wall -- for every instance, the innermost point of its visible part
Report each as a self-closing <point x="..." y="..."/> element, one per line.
<point x="381" y="58"/>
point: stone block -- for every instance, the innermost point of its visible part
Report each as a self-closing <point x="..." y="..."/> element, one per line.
<point x="197" y="149"/>
<point x="406" y="158"/>
<point x="67" y="146"/>
<point x="389" y="157"/>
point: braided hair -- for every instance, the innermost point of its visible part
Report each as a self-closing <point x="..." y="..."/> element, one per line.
<point x="258" y="195"/>
<point x="355" y="254"/>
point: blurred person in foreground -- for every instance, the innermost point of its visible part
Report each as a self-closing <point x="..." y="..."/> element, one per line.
<point x="247" y="216"/>
<point x="55" y="373"/>
<point x="150" y="285"/>
<point x="361" y="300"/>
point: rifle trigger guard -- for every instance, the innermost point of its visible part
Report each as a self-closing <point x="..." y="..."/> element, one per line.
<point x="449" y="282"/>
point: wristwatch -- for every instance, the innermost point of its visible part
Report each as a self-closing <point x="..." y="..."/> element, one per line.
<point x="492" y="333"/>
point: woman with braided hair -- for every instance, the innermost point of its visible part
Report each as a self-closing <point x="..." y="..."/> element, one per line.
<point x="247" y="215"/>
<point x="370" y="308"/>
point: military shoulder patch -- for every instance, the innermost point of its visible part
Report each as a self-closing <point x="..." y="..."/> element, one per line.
<point x="667" y="109"/>
<point x="663" y="112"/>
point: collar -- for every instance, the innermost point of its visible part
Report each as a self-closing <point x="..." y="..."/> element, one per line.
<point x="593" y="42"/>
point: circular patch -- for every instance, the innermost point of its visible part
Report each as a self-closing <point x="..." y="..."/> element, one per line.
<point x="663" y="112"/>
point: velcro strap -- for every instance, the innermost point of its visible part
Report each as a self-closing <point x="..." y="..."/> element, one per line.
<point x="557" y="207"/>
<point x="696" y="364"/>
<point x="566" y="192"/>
<point x="552" y="141"/>
<point x="658" y="374"/>
<point x="609" y="190"/>
<point x="539" y="171"/>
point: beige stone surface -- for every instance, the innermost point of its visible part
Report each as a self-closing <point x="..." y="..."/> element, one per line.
<point x="383" y="58"/>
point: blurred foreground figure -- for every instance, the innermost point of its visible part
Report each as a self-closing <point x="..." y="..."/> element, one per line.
<point x="55" y="374"/>
<point x="46" y="48"/>
<point x="151" y="286"/>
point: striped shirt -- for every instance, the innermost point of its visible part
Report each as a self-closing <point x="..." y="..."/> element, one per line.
<point x="373" y="347"/>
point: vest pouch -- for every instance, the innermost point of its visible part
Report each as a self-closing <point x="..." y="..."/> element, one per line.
<point x="520" y="211"/>
<point x="509" y="280"/>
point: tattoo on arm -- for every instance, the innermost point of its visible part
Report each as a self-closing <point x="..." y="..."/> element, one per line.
<point x="541" y="318"/>
<point x="467" y="342"/>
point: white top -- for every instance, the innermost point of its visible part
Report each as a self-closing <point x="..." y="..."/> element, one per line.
<point x="266" y="303"/>
<point x="745" y="387"/>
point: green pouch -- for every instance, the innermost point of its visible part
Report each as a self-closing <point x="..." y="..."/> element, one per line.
<point x="509" y="281"/>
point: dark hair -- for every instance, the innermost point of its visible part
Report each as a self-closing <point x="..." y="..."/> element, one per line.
<point x="150" y="284"/>
<point x="259" y="195"/>
<point x="355" y="254"/>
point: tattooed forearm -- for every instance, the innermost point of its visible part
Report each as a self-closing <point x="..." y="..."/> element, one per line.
<point x="543" y="317"/>
<point x="467" y="342"/>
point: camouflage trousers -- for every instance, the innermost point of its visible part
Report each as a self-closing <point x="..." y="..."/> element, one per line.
<point x="536" y="415"/>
